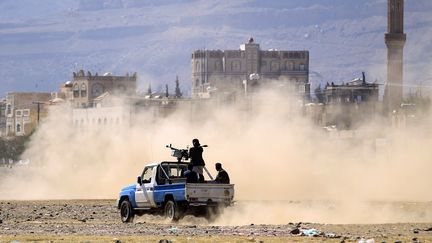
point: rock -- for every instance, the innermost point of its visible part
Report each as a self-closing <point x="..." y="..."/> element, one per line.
<point x="295" y="231"/>
<point x="83" y="220"/>
<point x="251" y="239"/>
<point x="165" y="241"/>
<point x="428" y="229"/>
<point x="398" y="241"/>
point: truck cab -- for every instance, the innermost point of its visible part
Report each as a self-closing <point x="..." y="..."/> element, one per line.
<point x="162" y="188"/>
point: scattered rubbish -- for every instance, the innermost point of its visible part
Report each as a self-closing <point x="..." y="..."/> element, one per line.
<point x="173" y="230"/>
<point x="362" y="240"/>
<point x="310" y="232"/>
<point x="331" y="235"/>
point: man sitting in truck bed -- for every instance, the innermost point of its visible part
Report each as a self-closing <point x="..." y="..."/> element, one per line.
<point x="191" y="176"/>
<point x="222" y="176"/>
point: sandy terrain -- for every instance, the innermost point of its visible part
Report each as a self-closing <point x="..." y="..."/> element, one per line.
<point x="98" y="220"/>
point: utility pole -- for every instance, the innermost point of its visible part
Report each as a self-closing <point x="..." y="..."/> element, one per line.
<point x="38" y="103"/>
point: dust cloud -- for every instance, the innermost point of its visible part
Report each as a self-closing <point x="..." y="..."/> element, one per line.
<point x="286" y="167"/>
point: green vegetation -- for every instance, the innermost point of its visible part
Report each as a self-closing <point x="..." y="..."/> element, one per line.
<point x="13" y="147"/>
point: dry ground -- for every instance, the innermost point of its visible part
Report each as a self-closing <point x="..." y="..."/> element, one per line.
<point x="98" y="220"/>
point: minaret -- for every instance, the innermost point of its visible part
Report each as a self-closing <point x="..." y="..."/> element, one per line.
<point x="395" y="40"/>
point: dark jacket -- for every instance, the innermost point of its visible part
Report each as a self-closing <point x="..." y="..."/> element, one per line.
<point x="191" y="176"/>
<point x="222" y="177"/>
<point x="195" y="154"/>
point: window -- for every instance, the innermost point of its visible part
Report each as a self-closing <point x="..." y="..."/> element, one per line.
<point x="197" y="83"/>
<point x="302" y="67"/>
<point x="235" y="66"/>
<point x="83" y="90"/>
<point x="26" y="112"/>
<point x="18" y="128"/>
<point x="75" y="91"/>
<point x="147" y="174"/>
<point x="275" y="66"/>
<point x="18" y="113"/>
<point x="197" y="67"/>
<point x="8" y="109"/>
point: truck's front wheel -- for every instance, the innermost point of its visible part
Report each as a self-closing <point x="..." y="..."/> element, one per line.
<point x="172" y="211"/>
<point x="126" y="212"/>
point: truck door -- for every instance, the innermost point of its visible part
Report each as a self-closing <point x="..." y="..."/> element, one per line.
<point x="144" y="192"/>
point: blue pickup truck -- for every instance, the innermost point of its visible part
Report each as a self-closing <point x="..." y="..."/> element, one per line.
<point x="162" y="188"/>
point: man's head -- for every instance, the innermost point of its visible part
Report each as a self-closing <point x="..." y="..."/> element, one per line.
<point x="196" y="142"/>
<point x="218" y="166"/>
<point x="190" y="167"/>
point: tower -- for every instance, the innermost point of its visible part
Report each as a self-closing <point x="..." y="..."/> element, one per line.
<point x="395" y="40"/>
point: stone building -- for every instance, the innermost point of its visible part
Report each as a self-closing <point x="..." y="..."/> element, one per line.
<point x="86" y="87"/>
<point x="2" y="117"/>
<point x="23" y="111"/>
<point x="236" y="71"/>
<point x="355" y="91"/>
<point x="348" y="104"/>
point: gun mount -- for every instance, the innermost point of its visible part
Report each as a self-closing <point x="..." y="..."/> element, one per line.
<point x="180" y="154"/>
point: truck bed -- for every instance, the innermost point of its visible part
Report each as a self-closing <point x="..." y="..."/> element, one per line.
<point x="209" y="193"/>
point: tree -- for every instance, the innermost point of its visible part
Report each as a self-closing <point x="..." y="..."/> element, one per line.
<point x="166" y="91"/>
<point x="319" y="94"/>
<point x="178" y="93"/>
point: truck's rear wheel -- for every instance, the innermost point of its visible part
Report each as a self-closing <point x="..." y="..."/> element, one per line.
<point x="126" y="212"/>
<point x="172" y="211"/>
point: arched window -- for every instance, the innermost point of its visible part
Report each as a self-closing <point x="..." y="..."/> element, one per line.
<point x="197" y="83"/>
<point x="76" y="91"/>
<point x="197" y="66"/>
<point x="83" y="90"/>
<point x="302" y="66"/>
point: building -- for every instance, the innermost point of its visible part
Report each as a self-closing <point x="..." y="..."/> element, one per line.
<point x="2" y="117"/>
<point x="395" y="40"/>
<point x="355" y="91"/>
<point x="237" y="71"/>
<point x="86" y="87"/>
<point x="349" y="104"/>
<point x="23" y="112"/>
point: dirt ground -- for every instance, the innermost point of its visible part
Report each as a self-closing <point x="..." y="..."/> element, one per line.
<point x="99" y="221"/>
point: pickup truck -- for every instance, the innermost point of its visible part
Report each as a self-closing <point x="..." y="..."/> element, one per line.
<point x="162" y="188"/>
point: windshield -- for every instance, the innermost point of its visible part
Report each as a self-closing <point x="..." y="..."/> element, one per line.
<point x="172" y="171"/>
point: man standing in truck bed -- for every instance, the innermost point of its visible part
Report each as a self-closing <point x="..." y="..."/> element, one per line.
<point x="195" y="154"/>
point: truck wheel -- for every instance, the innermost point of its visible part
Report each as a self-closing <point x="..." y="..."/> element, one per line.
<point x="126" y="212"/>
<point x="172" y="211"/>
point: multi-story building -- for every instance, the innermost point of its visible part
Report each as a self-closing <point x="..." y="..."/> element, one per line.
<point x="23" y="112"/>
<point x="355" y="91"/>
<point x="2" y="117"/>
<point x="86" y="87"/>
<point x="241" y="70"/>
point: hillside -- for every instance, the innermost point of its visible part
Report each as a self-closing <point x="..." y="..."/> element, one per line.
<point x="43" y="42"/>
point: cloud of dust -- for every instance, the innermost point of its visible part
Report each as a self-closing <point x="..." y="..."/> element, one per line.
<point x="272" y="153"/>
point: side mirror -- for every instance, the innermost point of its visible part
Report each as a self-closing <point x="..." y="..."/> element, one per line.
<point x="139" y="180"/>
